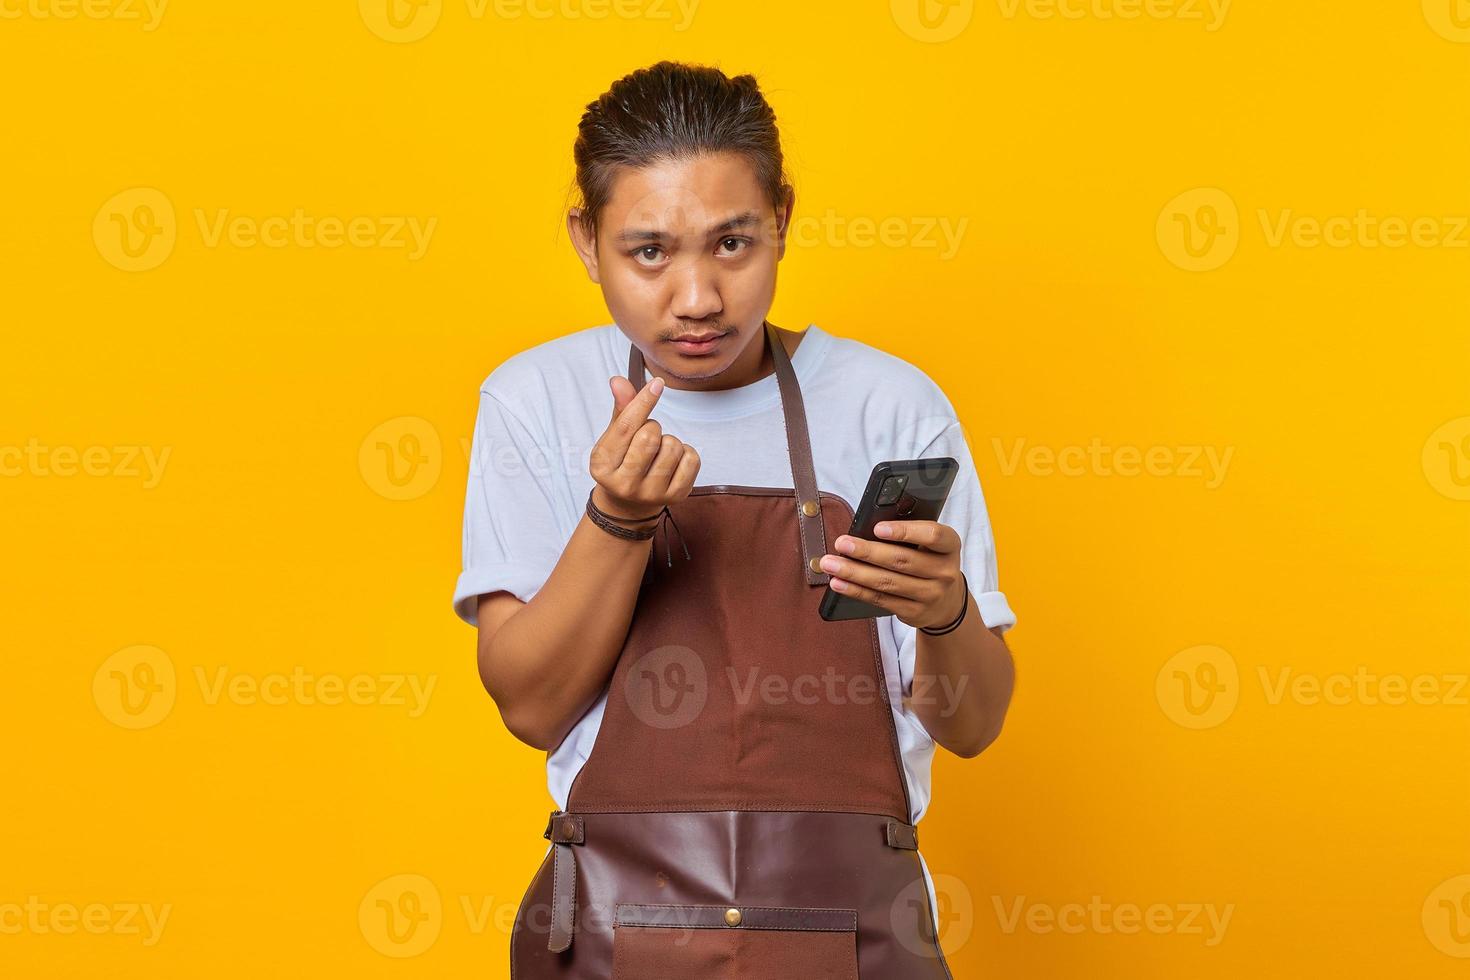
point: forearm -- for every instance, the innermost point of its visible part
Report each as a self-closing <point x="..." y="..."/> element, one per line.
<point x="547" y="663"/>
<point x="963" y="682"/>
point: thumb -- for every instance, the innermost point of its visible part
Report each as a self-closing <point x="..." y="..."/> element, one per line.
<point x="623" y="393"/>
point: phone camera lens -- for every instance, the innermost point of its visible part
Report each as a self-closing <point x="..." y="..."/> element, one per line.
<point x="891" y="490"/>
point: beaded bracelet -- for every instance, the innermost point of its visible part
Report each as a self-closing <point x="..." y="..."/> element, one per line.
<point x="941" y="630"/>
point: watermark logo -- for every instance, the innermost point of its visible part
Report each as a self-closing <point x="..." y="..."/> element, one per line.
<point x="401" y="458"/>
<point x="135" y="687"/>
<point x="401" y="916"/>
<point x="135" y="230"/>
<point x="1199" y="230"/>
<point x="400" y="21"/>
<point x="667" y="687"/>
<point x="932" y="21"/>
<point x="1450" y="19"/>
<point x="1198" y="687"/>
<point x="1446" y="458"/>
<point x="926" y="930"/>
<point x="405" y="914"/>
<point x="1446" y="917"/>
<point x="138" y="687"/>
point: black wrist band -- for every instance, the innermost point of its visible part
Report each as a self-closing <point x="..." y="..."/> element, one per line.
<point x="964" y="608"/>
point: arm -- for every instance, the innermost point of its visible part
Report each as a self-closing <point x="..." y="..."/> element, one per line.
<point x="545" y="661"/>
<point x="974" y="677"/>
<point x="963" y="679"/>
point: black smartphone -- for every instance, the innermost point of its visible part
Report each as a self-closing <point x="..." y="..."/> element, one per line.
<point x="898" y="490"/>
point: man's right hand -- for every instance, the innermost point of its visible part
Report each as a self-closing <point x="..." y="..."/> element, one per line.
<point x="638" y="467"/>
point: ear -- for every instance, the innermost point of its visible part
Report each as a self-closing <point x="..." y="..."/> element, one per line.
<point x="584" y="243"/>
<point x="783" y="220"/>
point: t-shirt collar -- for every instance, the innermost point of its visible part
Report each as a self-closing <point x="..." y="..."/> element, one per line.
<point x="746" y="399"/>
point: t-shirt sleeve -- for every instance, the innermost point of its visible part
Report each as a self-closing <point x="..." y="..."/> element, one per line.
<point x="511" y="536"/>
<point x="965" y="511"/>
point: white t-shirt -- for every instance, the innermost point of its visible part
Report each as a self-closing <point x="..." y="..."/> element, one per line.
<point x="542" y="410"/>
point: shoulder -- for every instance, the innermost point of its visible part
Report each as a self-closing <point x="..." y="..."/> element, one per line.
<point x="900" y="379"/>
<point x="891" y="392"/>
<point x="531" y="377"/>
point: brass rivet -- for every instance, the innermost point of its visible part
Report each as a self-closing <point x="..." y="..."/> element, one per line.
<point x="816" y="565"/>
<point x="565" y="830"/>
<point x="810" y="508"/>
<point x="732" y="917"/>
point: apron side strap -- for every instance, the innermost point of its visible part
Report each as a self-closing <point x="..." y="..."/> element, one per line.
<point x="563" y="830"/>
<point x="904" y="835"/>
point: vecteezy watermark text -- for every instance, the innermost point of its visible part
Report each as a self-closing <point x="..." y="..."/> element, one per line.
<point x="38" y="918"/>
<point x="34" y="459"/>
<point x="1208" y="463"/>
<point x="1124" y="918"/>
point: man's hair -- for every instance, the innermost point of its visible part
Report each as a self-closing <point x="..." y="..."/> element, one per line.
<point x="674" y="111"/>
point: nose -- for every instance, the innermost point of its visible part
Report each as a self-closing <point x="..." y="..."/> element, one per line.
<point x="696" y="292"/>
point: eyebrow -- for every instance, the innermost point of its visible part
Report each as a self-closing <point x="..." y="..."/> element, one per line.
<point x="743" y="220"/>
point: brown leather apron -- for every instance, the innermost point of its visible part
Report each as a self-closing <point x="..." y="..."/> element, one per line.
<point x="743" y="812"/>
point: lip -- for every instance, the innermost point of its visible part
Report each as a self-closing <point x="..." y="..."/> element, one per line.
<point x="698" y="346"/>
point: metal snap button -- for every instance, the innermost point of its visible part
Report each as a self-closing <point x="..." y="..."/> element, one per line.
<point x="816" y="565"/>
<point x="732" y="917"/>
<point x="811" y="508"/>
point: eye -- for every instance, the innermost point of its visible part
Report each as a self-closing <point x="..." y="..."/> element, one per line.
<point x="739" y="245"/>
<point x="648" y="255"/>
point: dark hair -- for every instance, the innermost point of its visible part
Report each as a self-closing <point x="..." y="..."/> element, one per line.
<point x="672" y="111"/>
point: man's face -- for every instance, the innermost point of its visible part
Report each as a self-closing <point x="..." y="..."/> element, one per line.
<point x="688" y="249"/>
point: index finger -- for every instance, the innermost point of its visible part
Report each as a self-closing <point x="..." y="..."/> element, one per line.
<point x="620" y="431"/>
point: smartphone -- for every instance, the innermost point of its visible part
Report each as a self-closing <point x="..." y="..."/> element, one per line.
<point x="898" y="490"/>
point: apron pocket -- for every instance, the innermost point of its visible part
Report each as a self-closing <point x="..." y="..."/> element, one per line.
<point x="717" y="942"/>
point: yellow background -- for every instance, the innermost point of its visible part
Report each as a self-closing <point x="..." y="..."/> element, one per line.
<point x="1072" y="311"/>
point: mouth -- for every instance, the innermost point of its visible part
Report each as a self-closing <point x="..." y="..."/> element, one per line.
<point x="699" y="343"/>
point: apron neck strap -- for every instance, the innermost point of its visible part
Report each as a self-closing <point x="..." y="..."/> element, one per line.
<point x="798" y="445"/>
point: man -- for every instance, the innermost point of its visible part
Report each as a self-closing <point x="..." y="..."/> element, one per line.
<point x="706" y="730"/>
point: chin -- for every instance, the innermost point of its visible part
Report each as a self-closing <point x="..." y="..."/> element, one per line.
<point x="698" y="368"/>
